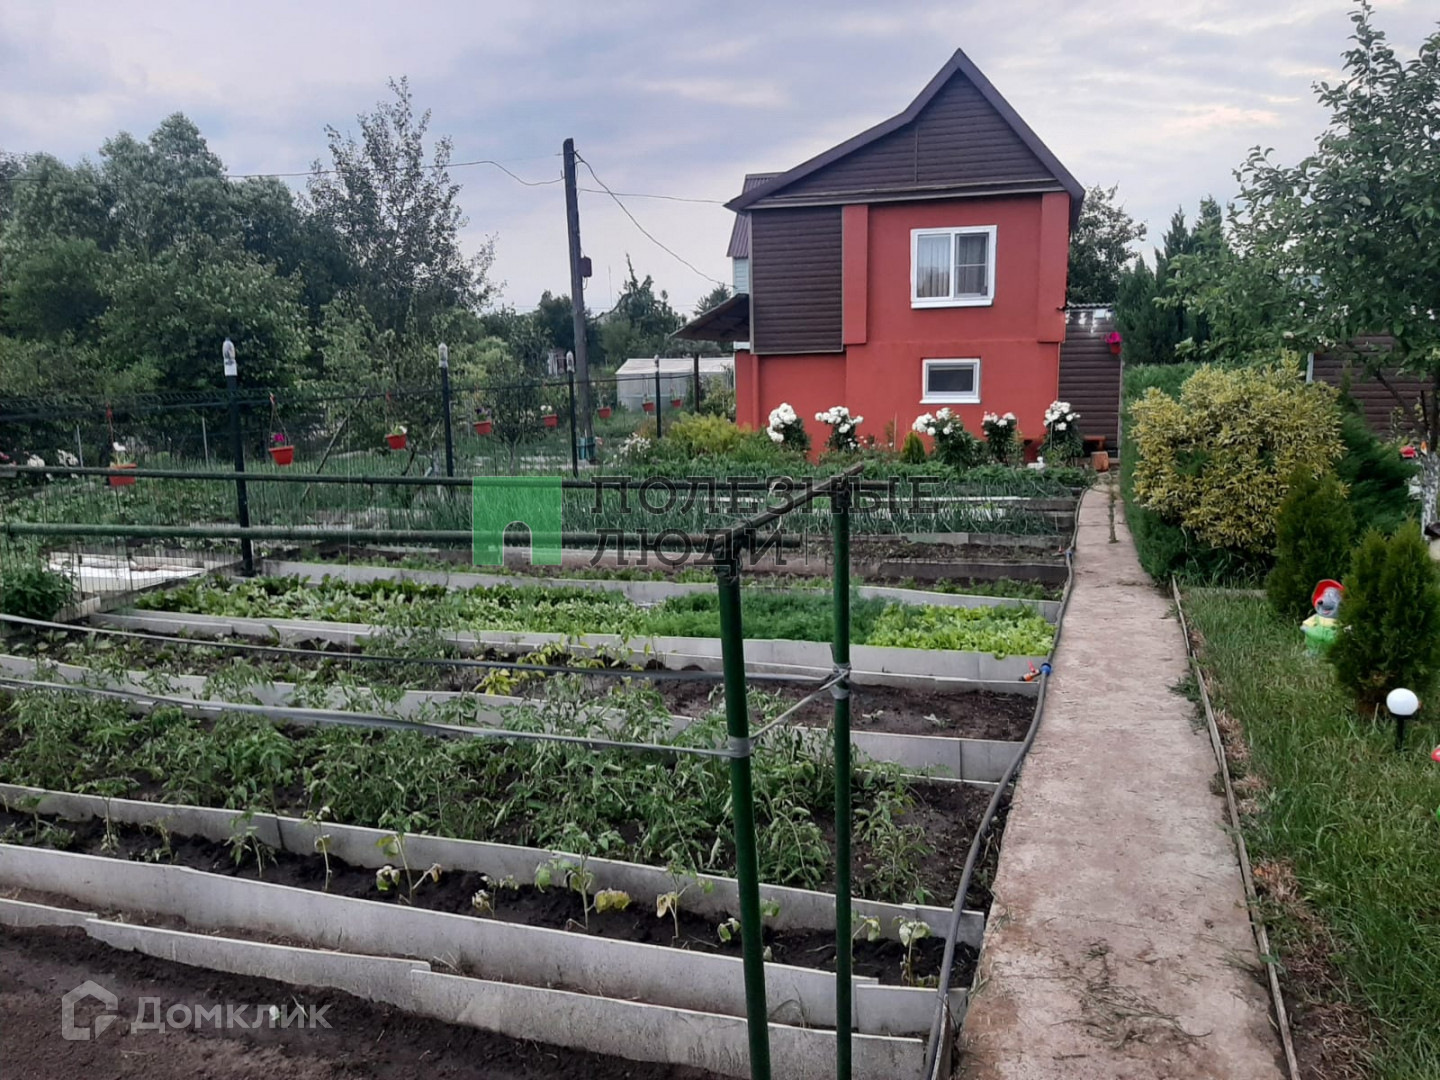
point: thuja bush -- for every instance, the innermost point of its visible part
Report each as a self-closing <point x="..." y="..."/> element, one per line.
<point x="1389" y="618"/>
<point x="1218" y="461"/>
<point x="912" y="452"/>
<point x="1314" y="533"/>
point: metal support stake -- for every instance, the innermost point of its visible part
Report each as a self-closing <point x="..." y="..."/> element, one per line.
<point x="204" y="441"/>
<point x="445" y="410"/>
<point x="80" y="448"/>
<point x="840" y="652"/>
<point x="659" y="404"/>
<point x="237" y="447"/>
<point x="697" y="382"/>
<point x="574" y="434"/>
<point x="747" y="870"/>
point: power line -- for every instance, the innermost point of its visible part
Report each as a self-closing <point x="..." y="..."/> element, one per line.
<point x="644" y="231"/>
<point x="646" y="195"/>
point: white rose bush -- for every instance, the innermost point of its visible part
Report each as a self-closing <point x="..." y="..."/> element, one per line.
<point x="842" y="428"/>
<point x="1063" y="441"/>
<point x="954" y="445"/>
<point x="786" y="429"/>
<point x="1002" y="436"/>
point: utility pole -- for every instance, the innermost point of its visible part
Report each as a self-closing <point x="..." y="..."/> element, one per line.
<point x="579" y="271"/>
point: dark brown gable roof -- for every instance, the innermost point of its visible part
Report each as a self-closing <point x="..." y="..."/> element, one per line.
<point x="740" y="235"/>
<point x="958" y="137"/>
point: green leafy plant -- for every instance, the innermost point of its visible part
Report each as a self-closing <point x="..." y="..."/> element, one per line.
<point x="1314" y="532"/>
<point x="1389" y="632"/>
<point x="32" y="591"/>
<point x="244" y="842"/>
<point x="1002" y="437"/>
<point x="322" y="839"/>
<point x="1218" y="461"/>
<point x="954" y="446"/>
<point x="912" y="932"/>
<point x="912" y="451"/>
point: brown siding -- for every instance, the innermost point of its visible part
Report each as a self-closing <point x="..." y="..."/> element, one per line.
<point x="1090" y="374"/>
<point x="959" y="139"/>
<point x="795" y="280"/>
<point x="1376" y="403"/>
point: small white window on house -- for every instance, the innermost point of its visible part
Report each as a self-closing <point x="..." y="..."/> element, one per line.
<point x="952" y="267"/>
<point x="951" y="382"/>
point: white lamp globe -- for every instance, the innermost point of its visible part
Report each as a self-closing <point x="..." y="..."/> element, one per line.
<point x="1402" y="702"/>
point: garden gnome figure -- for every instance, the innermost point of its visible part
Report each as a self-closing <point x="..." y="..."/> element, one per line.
<point x="1319" y="629"/>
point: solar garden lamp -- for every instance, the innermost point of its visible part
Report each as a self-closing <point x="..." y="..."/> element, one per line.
<point x="1402" y="704"/>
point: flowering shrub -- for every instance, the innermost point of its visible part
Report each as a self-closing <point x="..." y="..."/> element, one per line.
<point x="842" y="428"/>
<point x="1002" y="436"/>
<point x="636" y="448"/>
<point x="786" y="429"/>
<point x="1063" y="441"/>
<point x="954" y="446"/>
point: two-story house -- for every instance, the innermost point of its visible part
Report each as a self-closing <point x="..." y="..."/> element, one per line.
<point x="920" y="264"/>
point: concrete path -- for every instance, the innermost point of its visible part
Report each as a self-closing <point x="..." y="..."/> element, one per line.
<point x="1119" y="947"/>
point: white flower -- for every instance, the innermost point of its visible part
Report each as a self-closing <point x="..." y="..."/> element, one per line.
<point x="117" y="448"/>
<point x="66" y="458"/>
<point x="35" y="461"/>
<point x="1061" y="425"/>
<point x="775" y="436"/>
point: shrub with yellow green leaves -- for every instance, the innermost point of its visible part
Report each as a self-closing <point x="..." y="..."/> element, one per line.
<point x="1218" y="461"/>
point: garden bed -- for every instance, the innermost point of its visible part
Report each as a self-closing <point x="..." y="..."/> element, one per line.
<point x="33" y="962"/>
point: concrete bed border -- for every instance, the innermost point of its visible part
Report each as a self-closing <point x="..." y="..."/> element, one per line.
<point x="873" y="665"/>
<point x="638" y="592"/>
<point x="633" y="1030"/>
<point x="975" y="760"/>
<point x="504" y="952"/>
<point x="357" y="845"/>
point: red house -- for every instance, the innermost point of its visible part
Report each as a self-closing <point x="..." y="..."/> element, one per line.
<point x="917" y="265"/>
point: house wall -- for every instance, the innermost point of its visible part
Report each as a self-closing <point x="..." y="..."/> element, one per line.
<point x="879" y="375"/>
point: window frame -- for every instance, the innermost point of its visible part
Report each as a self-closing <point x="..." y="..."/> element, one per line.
<point x="943" y="397"/>
<point x="972" y="300"/>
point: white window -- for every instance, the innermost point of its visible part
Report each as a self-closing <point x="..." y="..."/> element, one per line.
<point x="952" y="267"/>
<point x="952" y="382"/>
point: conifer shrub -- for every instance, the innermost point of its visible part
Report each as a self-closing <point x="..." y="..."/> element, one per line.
<point x="1314" y="532"/>
<point x="1389" y="632"/>
<point x="912" y="452"/>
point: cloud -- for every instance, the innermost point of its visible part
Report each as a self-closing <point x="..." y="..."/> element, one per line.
<point x="680" y="97"/>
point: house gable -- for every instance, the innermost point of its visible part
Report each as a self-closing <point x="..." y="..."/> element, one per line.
<point x="958" y="137"/>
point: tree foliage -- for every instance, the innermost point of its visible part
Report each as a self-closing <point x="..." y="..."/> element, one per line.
<point x="1389" y="633"/>
<point x="398" y="217"/>
<point x="1100" y="248"/>
<point x="1218" y="461"/>
<point x="1314" y="532"/>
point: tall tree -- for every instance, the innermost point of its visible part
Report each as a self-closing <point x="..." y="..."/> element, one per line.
<point x="1346" y="242"/>
<point x="713" y="299"/>
<point x="399" y="217"/>
<point x="1100" y="248"/>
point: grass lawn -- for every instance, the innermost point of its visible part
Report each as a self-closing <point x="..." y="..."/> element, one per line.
<point x="1345" y="840"/>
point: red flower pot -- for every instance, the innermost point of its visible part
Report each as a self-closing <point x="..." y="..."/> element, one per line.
<point x="677" y="403"/>
<point x="397" y="442"/>
<point x="119" y="480"/>
<point x="649" y="406"/>
<point x="1115" y="347"/>
<point x="605" y="412"/>
<point x="283" y="455"/>
<point x="551" y="420"/>
<point x="482" y="427"/>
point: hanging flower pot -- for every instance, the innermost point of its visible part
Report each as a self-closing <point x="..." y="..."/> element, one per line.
<point x="1114" y="340"/>
<point x="605" y="412"/>
<point x="677" y="403"/>
<point x="283" y="455"/>
<point x="551" y="420"/>
<point x="119" y="479"/>
<point x="483" y="427"/>
<point x="649" y="406"/>
<point x="398" y="437"/>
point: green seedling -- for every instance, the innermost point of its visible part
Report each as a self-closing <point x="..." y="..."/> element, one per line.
<point x="912" y="932"/>
<point x="611" y="900"/>
<point x="868" y="926"/>
<point x="322" y="841"/>
<point x="483" y="903"/>
<point x="243" y="840"/>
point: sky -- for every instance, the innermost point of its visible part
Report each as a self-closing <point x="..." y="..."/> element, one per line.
<point x="680" y="98"/>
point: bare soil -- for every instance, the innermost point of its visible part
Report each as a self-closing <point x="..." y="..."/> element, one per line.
<point x="365" y="1041"/>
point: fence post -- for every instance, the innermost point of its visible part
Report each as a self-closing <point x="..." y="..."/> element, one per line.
<point x="237" y="447"/>
<point x="697" y="382"/>
<point x="742" y="801"/>
<point x="659" y="402"/>
<point x="840" y="653"/>
<point x="445" y="409"/>
<point x="574" y="435"/>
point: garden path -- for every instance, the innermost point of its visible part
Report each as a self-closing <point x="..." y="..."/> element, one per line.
<point x="1118" y="947"/>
